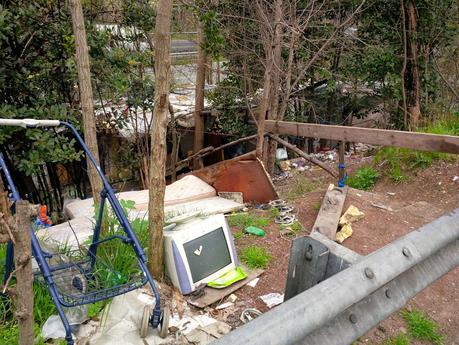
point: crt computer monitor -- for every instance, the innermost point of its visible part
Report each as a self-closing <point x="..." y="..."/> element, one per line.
<point x="199" y="251"/>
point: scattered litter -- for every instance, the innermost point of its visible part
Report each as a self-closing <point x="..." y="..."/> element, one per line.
<point x="286" y="231"/>
<point x="232" y="298"/>
<point x="249" y="314"/>
<point x="345" y="232"/>
<point x="207" y="334"/>
<point x="285" y="219"/>
<point x="272" y="299"/>
<point x="281" y="153"/>
<point x="390" y="193"/>
<point x="284" y="165"/>
<point x="228" y="278"/>
<point x="358" y="194"/>
<point x="224" y="305"/>
<point x="352" y="214"/>
<point x="255" y="231"/>
<point x="381" y="206"/>
<point x="187" y="324"/>
<point x="53" y="328"/>
<point x="455" y="178"/>
<point x="253" y="282"/>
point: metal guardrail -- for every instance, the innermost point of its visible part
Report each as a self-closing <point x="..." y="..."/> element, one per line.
<point x="348" y="304"/>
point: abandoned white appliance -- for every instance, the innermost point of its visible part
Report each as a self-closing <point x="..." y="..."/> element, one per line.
<point x="199" y="251"/>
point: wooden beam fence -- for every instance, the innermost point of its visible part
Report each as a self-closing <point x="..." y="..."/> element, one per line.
<point x="372" y="136"/>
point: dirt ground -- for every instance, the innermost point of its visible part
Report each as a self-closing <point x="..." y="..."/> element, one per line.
<point x="425" y="196"/>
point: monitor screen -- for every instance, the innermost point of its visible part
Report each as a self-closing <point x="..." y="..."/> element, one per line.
<point x="207" y="254"/>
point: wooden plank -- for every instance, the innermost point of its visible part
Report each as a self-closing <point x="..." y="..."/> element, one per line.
<point x="372" y="136"/>
<point x="212" y="295"/>
<point x="332" y="206"/>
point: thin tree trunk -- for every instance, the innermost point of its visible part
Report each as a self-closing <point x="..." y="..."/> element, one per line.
<point x="270" y="157"/>
<point x="264" y="105"/>
<point x="174" y="153"/>
<point x="86" y="96"/>
<point x="414" y="107"/>
<point x="24" y="275"/>
<point x="157" y="177"/>
<point x="403" y="71"/>
<point x="199" y="97"/>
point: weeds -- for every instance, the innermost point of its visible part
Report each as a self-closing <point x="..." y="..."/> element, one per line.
<point x="317" y="205"/>
<point x="255" y="257"/>
<point x="238" y="235"/>
<point x="422" y="327"/>
<point x="398" y="339"/>
<point x="301" y="186"/>
<point x="243" y="220"/>
<point x="295" y="227"/>
<point x="365" y="178"/>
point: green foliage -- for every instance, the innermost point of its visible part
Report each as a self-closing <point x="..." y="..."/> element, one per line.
<point x="243" y="220"/>
<point x="229" y="102"/>
<point x="255" y="257"/>
<point x="116" y="261"/>
<point x="214" y="41"/>
<point x="398" y="339"/>
<point x="422" y="327"/>
<point x="365" y="178"/>
<point x="274" y="212"/>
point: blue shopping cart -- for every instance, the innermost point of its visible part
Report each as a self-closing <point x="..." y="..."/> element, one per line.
<point x="75" y="277"/>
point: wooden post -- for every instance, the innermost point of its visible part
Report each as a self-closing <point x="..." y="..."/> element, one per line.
<point x="199" y="97"/>
<point x="157" y="183"/>
<point x="86" y="96"/>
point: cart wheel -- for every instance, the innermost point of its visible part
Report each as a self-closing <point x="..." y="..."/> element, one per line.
<point x="164" y="330"/>
<point x="145" y="322"/>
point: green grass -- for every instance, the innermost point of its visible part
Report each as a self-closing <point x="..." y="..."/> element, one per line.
<point x="296" y="227"/>
<point x="299" y="187"/>
<point x="243" y="220"/>
<point x="398" y="339"/>
<point x="238" y="235"/>
<point x="422" y="327"/>
<point x="317" y="205"/>
<point x="399" y="163"/>
<point x="274" y="212"/>
<point x="255" y="257"/>
<point x="364" y="178"/>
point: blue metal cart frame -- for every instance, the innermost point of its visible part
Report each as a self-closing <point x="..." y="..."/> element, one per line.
<point x="41" y="256"/>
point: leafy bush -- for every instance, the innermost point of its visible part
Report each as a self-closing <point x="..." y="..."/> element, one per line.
<point x="255" y="257"/>
<point x="365" y="178"/>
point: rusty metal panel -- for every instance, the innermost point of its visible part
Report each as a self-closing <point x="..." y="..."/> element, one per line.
<point x="244" y="174"/>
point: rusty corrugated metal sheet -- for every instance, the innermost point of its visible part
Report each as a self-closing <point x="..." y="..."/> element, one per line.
<point x="244" y="174"/>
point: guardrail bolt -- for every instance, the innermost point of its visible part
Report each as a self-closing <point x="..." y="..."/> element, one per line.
<point x="406" y="252"/>
<point x="369" y="273"/>
<point x="388" y="293"/>
<point x="353" y="318"/>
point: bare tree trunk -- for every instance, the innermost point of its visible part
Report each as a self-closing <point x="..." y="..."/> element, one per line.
<point x="405" y="58"/>
<point x="158" y="138"/>
<point x="414" y="107"/>
<point x="174" y="153"/>
<point x="199" y="97"/>
<point x="273" y="113"/>
<point x="264" y="105"/>
<point x="86" y="96"/>
<point x="24" y="275"/>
